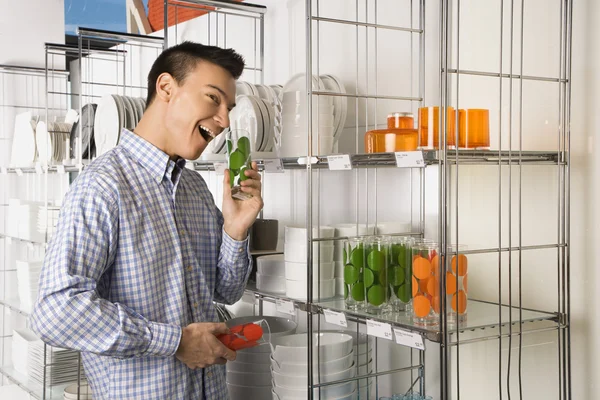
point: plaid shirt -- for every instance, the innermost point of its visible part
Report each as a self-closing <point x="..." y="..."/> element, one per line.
<point x="139" y="252"/>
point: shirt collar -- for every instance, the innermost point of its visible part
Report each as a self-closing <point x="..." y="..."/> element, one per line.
<point x="154" y="160"/>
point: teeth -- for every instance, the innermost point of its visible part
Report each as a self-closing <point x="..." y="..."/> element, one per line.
<point x="211" y="133"/>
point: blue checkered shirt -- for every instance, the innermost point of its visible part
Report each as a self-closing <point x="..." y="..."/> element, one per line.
<point x="139" y="252"/>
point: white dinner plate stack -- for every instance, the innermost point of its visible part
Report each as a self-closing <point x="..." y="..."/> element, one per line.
<point x="28" y="276"/>
<point x="270" y="274"/>
<point x="249" y="376"/>
<point x="345" y="230"/>
<point x="333" y="359"/>
<point x="64" y="362"/>
<point x="47" y="219"/>
<point x="295" y="254"/>
<point x="23" y="150"/>
<point x="114" y="113"/>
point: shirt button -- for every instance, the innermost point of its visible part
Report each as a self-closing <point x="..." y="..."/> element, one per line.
<point x="240" y="250"/>
<point x="182" y="233"/>
<point x="195" y="305"/>
<point x="189" y="268"/>
<point x="209" y="374"/>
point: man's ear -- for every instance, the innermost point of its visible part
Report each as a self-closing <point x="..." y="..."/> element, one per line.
<point x="165" y="84"/>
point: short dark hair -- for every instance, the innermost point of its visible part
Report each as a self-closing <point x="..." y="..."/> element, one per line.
<point x="181" y="59"/>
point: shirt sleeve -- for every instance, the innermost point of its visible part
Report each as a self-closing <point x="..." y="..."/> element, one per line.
<point x="69" y="312"/>
<point x="233" y="268"/>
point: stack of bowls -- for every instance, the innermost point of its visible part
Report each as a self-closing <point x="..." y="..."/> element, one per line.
<point x="294" y="141"/>
<point x="295" y="254"/>
<point x="249" y="376"/>
<point x="270" y="274"/>
<point x="333" y="359"/>
<point x="345" y="230"/>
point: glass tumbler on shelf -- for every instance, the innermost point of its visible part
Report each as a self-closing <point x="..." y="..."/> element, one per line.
<point x="354" y="287"/>
<point x="457" y="285"/>
<point x="391" y="140"/>
<point x="401" y="120"/>
<point x="238" y="160"/>
<point x="375" y="274"/>
<point x="425" y="283"/>
<point x="474" y="128"/>
<point x="429" y="128"/>
<point x="400" y="273"/>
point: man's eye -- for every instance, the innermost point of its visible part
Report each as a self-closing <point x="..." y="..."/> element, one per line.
<point x="214" y="98"/>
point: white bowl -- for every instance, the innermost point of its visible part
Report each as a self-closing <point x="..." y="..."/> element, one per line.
<point x="298" y="234"/>
<point x="299" y="97"/>
<point x="301" y="380"/>
<point x="248" y="392"/>
<point x="238" y="366"/>
<point x="294" y="252"/>
<point x="253" y="357"/>
<point x="70" y="392"/>
<point x="328" y="345"/>
<point x="385" y="228"/>
<point x="249" y="378"/>
<point x="298" y="135"/>
<point x="326" y="368"/>
<point x="301" y="120"/>
<point x="297" y="271"/>
<point x="297" y="146"/>
<point x="270" y="283"/>
<point x="352" y="230"/>
<point x="341" y="391"/>
<point x="270" y="265"/>
<point x="323" y="291"/>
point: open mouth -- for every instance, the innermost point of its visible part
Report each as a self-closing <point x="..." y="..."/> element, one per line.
<point x="206" y="133"/>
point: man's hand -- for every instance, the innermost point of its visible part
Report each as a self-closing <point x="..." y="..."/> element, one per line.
<point x="239" y="215"/>
<point x="199" y="346"/>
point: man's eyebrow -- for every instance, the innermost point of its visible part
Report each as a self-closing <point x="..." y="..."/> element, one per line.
<point x="231" y="106"/>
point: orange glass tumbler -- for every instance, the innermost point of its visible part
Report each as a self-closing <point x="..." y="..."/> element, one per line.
<point x="401" y="120"/>
<point x="391" y="140"/>
<point x="429" y="127"/>
<point x="474" y="128"/>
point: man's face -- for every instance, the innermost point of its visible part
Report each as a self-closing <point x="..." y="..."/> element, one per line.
<point x="198" y="109"/>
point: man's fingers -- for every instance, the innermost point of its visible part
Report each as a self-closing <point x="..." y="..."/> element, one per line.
<point x="218" y="328"/>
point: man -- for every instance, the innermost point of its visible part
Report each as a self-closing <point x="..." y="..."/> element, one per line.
<point x="141" y="250"/>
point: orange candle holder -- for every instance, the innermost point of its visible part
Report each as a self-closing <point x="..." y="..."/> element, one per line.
<point x="474" y="128"/>
<point x="401" y="120"/>
<point x="429" y="128"/>
<point x="457" y="286"/>
<point x="425" y="284"/>
<point x="391" y="140"/>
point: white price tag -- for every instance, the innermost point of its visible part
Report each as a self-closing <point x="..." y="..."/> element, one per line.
<point x="336" y="318"/>
<point x="410" y="339"/>
<point x="38" y="169"/>
<point x="273" y="165"/>
<point x="60" y="169"/>
<point x="339" y="162"/>
<point x="220" y="167"/>
<point x="19" y="171"/>
<point x="4" y="170"/>
<point x="285" y="306"/>
<point x="379" y="329"/>
<point x="409" y="159"/>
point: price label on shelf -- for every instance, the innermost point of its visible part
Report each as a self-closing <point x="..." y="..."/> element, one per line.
<point x="339" y="162"/>
<point x="19" y="171"/>
<point x="220" y="167"/>
<point x="409" y="159"/>
<point x="336" y="318"/>
<point x="60" y="169"/>
<point x="273" y="165"/>
<point x="285" y="306"/>
<point x="379" y="329"/>
<point x="410" y="339"/>
<point x="4" y="170"/>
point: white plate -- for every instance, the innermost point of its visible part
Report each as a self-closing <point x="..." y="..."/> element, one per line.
<point x="130" y="113"/>
<point x="262" y="133"/>
<point x="141" y="105"/>
<point x="122" y="116"/>
<point x="242" y="89"/>
<point x="106" y="124"/>
<point x="42" y="139"/>
<point x="23" y="146"/>
<point x="269" y="127"/>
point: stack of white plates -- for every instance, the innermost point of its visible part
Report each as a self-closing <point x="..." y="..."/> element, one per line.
<point x="64" y="362"/>
<point x="295" y="255"/>
<point x="114" y="113"/>
<point x="22" y="219"/>
<point x="52" y="141"/>
<point x="334" y="358"/>
<point x="28" y="276"/>
<point x="249" y="376"/>
<point x="47" y="220"/>
<point x="345" y="230"/>
<point x="270" y="274"/>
